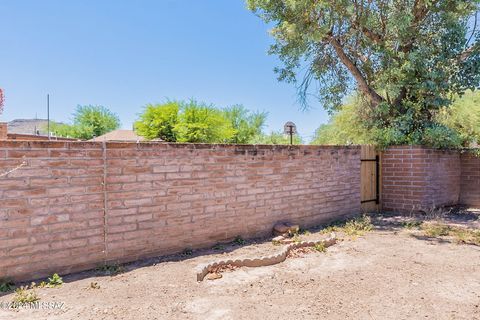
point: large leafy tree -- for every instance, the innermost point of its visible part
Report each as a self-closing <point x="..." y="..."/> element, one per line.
<point x="344" y="127"/>
<point x="461" y="120"/>
<point x="247" y="124"/>
<point x="405" y="58"/>
<point x="88" y="122"/>
<point x="276" y="137"/>
<point x="199" y="122"/>
<point x="192" y="121"/>
<point x="158" y="121"/>
<point x="464" y="117"/>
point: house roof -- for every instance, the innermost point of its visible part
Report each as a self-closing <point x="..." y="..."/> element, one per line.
<point x="28" y="126"/>
<point x="119" y="135"/>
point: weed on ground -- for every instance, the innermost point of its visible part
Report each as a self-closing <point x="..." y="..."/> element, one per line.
<point x="6" y="285"/>
<point x="354" y="227"/>
<point x="24" y="295"/>
<point x="110" y="269"/>
<point x="459" y="234"/>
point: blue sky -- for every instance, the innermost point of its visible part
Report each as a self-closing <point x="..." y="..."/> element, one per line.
<point x="124" y="54"/>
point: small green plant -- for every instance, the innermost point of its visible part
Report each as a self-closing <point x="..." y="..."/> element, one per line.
<point x="296" y="238"/>
<point x="329" y="229"/>
<point x="94" y="285"/>
<point x="305" y="232"/>
<point x="111" y="269"/>
<point x="55" y="281"/>
<point x="353" y="227"/>
<point x="187" y="252"/>
<point x="239" y="241"/>
<point x="412" y="224"/>
<point x="467" y="236"/>
<point x="25" y="296"/>
<point x="276" y="242"/>
<point x="218" y="247"/>
<point x="6" y="285"/>
<point x="358" y="226"/>
<point x="461" y="235"/>
<point x="320" y="247"/>
<point x="436" y="230"/>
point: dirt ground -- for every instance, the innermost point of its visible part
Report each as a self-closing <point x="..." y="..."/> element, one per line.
<point x="391" y="272"/>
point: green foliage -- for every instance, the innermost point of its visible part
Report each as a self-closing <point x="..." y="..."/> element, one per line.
<point x="345" y="127"/>
<point x="412" y="224"/>
<point x="239" y="241"/>
<point x="24" y="296"/>
<point x="62" y="130"/>
<point x="320" y="247"/>
<point x="464" y="117"/>
<point x="191" y="121"/>
<point x="6" y="285"/>
<point x="460" y="234"/>
<point x="158" y="121"/>
<point x="352" y="227"/>
<point x="358" y="226"/>
<point x="407" y="58"/>
<point x="455" y="126"/>
<point x="88" y="122"/>
<point x="110" y="269"/>
<point x="187" y="252"/>
<point x="202" y="123"/>
<point x="94" y="285"/>
<point x="276" y="137"/>
<point x="55" y="281"/>
<point x="247" y="125"/>
<point x="218" y="247"/>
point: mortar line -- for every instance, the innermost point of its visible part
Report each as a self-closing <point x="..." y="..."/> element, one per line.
<point x="105" y="209"/>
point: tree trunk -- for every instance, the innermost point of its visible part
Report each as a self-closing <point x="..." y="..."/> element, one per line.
<point x="363" y="86"/>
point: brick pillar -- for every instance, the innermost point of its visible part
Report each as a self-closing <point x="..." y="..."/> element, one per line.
<point x="3" y="130"/>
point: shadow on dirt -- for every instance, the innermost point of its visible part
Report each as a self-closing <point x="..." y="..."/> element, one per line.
<point x="383" y="222"/>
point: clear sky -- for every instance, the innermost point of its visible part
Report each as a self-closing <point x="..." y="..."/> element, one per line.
<point x="124" y="54"/>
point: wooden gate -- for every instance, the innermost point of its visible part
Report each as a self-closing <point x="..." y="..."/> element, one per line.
<point x="370" y="178"/>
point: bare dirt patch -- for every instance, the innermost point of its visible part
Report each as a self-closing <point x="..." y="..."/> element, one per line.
<point x="391" y="272"/>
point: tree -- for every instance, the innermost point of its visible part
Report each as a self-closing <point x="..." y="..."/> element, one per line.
<point x="407" y="58"/>
<point x="464" y="117"/>
<point x="344" y="127"/>
<point x="63" y="130"/>
<point x="461" y="121"/>
<point x="247" y="125"/>
<point x="88" y="122"/>
<point x="158" y="121"/>
<point x="276" y="137"/>
<point x="199" y="122"/>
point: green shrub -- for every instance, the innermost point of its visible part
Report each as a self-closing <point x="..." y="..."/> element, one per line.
<point x="55" y="281"/>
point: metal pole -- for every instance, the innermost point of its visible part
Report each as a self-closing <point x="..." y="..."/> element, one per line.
<point x="48" y="115"/>
<point x="377" y="181"/>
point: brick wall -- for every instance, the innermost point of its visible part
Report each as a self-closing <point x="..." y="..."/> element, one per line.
<point x="470" y="180"/>
<point x="58" y="215"/>
<point x="3" y="130"/>
<point x="417" y="178"/>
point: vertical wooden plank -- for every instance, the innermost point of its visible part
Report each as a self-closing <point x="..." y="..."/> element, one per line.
<point x="368" y="178"/>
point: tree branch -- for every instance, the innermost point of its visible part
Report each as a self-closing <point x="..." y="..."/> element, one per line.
<point x="467" y="52"/>
<point x="371" y="94"/>
<point x="373" y="36"/>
